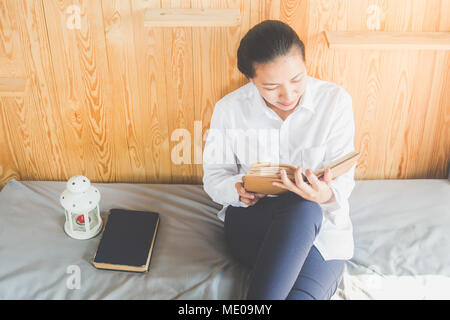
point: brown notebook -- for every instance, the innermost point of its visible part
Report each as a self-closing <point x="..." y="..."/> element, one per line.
<point x="261" y="174"/>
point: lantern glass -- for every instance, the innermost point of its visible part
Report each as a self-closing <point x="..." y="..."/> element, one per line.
<point x="81" y="227"/>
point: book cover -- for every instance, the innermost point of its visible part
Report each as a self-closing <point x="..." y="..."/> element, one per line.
<point x="127" y="241"/>
<point x="261" y="174"/>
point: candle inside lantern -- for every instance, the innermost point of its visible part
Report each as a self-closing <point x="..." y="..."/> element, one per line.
<point x="80" y="219"/>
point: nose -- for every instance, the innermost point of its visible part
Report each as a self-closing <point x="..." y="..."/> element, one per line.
<point x="286" y="95"/>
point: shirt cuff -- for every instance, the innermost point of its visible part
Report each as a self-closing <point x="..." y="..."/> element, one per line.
<point x="332" y="204"/>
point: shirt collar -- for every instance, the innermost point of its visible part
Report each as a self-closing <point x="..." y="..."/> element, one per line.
<point x="305" y="102"/>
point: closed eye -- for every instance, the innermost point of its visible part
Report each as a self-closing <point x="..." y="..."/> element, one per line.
<point x="298" y="79"/>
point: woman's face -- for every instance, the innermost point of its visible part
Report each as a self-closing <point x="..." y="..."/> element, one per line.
<point x="282" y="82"/>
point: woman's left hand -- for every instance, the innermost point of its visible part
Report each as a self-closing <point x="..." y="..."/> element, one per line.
<point x="318" y="190"/>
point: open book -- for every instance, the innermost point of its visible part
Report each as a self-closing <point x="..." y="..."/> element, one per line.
<point x="261" y="174"/>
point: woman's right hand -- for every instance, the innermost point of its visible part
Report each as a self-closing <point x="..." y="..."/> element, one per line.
<point x="249" y="198"/>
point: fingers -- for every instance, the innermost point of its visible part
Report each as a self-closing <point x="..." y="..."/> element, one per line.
<point x="242" y="192"/>
<point x="285" y="183"/>
<point x="248" y="198"/>
<point x="288" y="184"/>
<point x="305" y="189"/>
<point x="300" y="187"/>
<point x="312" y="178"/>
<point x="249" y="202"/>
<point x="328" y="176"/>
<point x="248" y="195"/>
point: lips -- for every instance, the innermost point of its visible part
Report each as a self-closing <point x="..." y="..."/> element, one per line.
<point x="287" y="104"/>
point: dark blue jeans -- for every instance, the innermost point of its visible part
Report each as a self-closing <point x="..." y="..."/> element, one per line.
<point x="275" y="239"/>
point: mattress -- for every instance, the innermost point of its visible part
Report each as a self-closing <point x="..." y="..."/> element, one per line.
<point x="402" y="240"/>
<point x="401" y="230"/>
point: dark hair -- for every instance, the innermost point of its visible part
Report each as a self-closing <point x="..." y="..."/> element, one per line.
<point x="264" y="42"/>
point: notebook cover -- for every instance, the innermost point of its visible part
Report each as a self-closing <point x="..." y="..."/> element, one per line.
<point x="127" y="241"/>
<point x="262" y="184"/>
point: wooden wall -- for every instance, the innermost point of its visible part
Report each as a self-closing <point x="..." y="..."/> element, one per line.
<point x="110" y="99"/>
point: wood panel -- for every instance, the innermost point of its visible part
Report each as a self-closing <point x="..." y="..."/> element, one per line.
<point x="121" y="102"/>
<point x="128" y="117"/>
<point x="192" y="17"/>
<point x="11" y="57"/>
<point x="375" y="40"/>
<point x="400" y="118"/>
<point x="12" y="156"/>
<point x="13" y="87"/>
<point x="178" y="64"/>
<point x="92" y="126"/>
<point x="149" y="43"/>
<point x="215" y="71"/>
<point x="31" y="125"/>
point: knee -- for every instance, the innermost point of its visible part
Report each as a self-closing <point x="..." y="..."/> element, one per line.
<point x="303" y="209"/>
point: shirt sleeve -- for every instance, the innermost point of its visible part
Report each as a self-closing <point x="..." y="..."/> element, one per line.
<point x="339" y="143"/>
<point x="220" y="168"/>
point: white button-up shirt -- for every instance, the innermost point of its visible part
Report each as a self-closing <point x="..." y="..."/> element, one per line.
<point x="243" y="130"/>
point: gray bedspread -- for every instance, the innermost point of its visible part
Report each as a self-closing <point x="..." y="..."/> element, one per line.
<point x="189" y="260"/>
<point x="401" y="227"/>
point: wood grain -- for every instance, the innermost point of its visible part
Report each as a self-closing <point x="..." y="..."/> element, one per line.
<point x="215" y="71"/>
<point x="13" y="87"/>
<point x="32" y="124"/>
<point x="388" y="40"/>
<point x="394" y="92"/>
<point x="129" y="117"/>
<point x="112" y="99"/>
<point x="192" y="17"/>
<point x="152" y="88"/>
<point x="84" y="89"/>
<point x="11" y="57"/>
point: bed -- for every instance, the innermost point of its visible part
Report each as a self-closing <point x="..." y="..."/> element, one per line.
<point x="401" y="229"/>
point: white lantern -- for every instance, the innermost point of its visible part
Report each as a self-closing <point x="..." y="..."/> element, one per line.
<point x="80" y="201"/>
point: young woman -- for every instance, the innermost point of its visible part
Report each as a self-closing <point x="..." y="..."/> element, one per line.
<point x="295" y="243"/>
